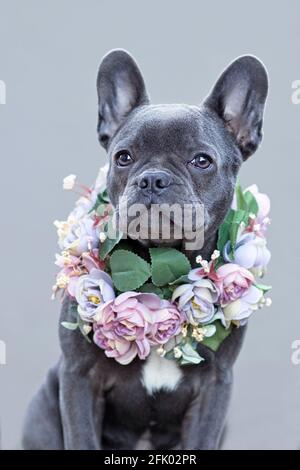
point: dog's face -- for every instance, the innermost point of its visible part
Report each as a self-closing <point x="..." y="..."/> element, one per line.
<point x="179" y="154"/>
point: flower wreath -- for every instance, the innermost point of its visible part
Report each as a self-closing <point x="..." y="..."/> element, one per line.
<point x="131" y="305"/>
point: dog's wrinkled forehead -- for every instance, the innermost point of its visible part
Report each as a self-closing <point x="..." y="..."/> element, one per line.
<point x="162" y="128"/>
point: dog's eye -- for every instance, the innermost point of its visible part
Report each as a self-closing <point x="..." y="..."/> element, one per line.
<point x="202" y="161"/>
<point x="123" y="158"/>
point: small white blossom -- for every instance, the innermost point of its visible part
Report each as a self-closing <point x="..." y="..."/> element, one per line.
<point x="69" y="182"/>
<point x="160" y="351"/>
<point x="268" y="302"/>
<point x="177" y="352"/>
<point x="102" y="237"/>
<point x="215" y="254"/>
<point x="86" y="328"/>
<point x="204" y="265"/>
<point x="62" y="280"/>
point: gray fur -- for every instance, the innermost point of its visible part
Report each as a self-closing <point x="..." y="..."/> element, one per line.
<point x="89" y="401"/>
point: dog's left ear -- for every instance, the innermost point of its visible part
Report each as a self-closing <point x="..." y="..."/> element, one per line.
<point x="239" y="98"/>
<point x="120" y="88"/>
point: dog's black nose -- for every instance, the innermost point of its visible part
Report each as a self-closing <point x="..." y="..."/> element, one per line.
<point x="154" y="181"/>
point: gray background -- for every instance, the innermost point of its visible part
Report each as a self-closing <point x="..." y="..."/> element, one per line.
<point x="49" y="55"/>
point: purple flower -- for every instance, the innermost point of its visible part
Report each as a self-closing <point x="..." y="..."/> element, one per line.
<point x="250" y="252"/>
<point x="123" y="328"/>
<point x="197" y="299"/>
<point x="167" y="323"/>
<point x="233" y="282"/>
<point x="83" y="236"/>
<point x="92" y="292"/>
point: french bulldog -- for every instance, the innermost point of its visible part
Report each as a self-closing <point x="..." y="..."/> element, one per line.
<point x="166" y="153"/>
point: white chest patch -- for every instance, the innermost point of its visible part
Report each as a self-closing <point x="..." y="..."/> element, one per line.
<point x="160" y="373"/>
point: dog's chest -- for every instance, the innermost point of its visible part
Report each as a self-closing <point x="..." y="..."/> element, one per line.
<point x="159" y="373"/>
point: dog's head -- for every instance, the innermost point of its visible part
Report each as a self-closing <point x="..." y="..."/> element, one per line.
<point x="177" y="153"/>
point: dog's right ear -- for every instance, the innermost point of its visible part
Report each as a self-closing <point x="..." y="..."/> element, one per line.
<point x="239" y="98"/>
<point x="121" y="89"/>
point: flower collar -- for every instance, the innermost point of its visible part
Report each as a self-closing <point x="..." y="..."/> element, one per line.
<point x="130" y="306"/>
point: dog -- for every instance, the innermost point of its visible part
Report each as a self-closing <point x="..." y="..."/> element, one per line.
<point x="157" y="154"/>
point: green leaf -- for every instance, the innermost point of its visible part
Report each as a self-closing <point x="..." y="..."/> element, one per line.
<point x="109" y="243"/>
<point x="129" y="271"/>
<point x="169" y="355"/>
<point x="229" y="229"/>
<point x="101" y="209"/>
<point x="150" y="288"/>
<point x="263" y="287"/>
<point x="213" y="342"/>
<point x="103" y="197"/>
<point x="223" y="234"/>
<point x="168" y="265"/>
<point x="180" y="280"/>
<point x="209" y="330"/>
<point x="240" y="198"/>
<point x="162" y="292"/>
<point x="167" y="292"/>
<point x="69" y="325"/>
<point x="251" y="203"/>
<point x="190" y="355"/>
<point x="124" y="245"/>
<point x="238" y="217"/>
<point x="246" y="205"/>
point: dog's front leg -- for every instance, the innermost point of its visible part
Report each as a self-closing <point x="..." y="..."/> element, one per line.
<point x="77" y="411"/>
<point x="76" y="396"/>
<point x="205" y="418"/>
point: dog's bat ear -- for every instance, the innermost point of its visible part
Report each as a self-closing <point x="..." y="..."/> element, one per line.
<point x="121" y="89"/>
<point x="239" y="98"/>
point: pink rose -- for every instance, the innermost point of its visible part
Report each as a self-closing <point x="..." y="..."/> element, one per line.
<point x="125" y="324"/>
<point x="167" y="323"/>
<point x="233" y="281"/>
<point x="134" y="321"/>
